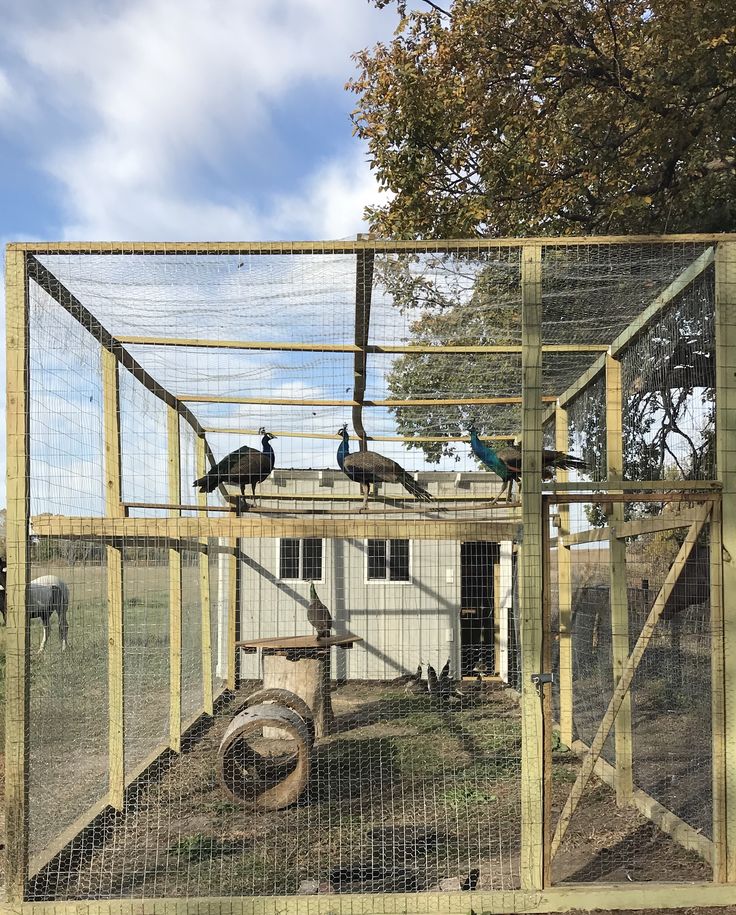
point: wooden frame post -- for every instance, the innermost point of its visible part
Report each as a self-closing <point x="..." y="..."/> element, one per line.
<point x="718" y="698"/>
<point x="363" y="291"/>
<point x="17" y="647"/>
<point x="564" y="585"/>
<point x="174" y="588"/>
<point x="619" y="598"/>
<point x="530" y="576"/>
<point x="115" y="630"/>
<point x="233" y="597"/>
<point x="725" y="268"/>
<point x="204" y="592"/>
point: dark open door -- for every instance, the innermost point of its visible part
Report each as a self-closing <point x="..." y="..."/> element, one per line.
<point x="477" y="559"/>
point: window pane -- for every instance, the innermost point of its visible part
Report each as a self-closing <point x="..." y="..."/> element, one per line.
<point x="376" y="559"/>
<point x="399" y="560"/>
<point x="312" y="559"/>
<point x="289" y="559"/>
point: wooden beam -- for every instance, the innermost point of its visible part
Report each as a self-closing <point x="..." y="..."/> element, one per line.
<point x="619" y="595"/>
<point x="175" y="602"/>
<point x="382" y="246"/>
<point x="624" y="682"/>
<point x="287" y="433"/>
<point x="301" y="402"/>
<point x="726" y="464"/>
<point x="634" y="486"/>
<point x="115" y="631"/>
<point x="363" y="289"/>
<point x="530" y="576"/>
<point x="204" y="592"/>
<point x="630" y="529"/>
<point x="17" y="648"/>
<point x="388" y="348"/>
<point x="175" y="528"/>
<point x="718" y="701"/>
<point x="233" y="602"/>
<point x="640" y="323"/>
<point x="564" y="590"/>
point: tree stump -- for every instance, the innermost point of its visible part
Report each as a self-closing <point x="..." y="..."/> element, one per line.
<point x="306" y="673"/>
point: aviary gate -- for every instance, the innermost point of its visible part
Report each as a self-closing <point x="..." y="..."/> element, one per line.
<point x="352" y="674"/>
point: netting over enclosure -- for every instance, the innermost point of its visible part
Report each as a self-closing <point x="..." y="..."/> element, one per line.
<point x="320" y="631"/>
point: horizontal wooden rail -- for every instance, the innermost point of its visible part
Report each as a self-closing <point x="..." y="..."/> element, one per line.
<point x="280" y="433"/>
<point x="351" y="247"/>
<point x="632" y="486"/>
<point x="635" y="528"/>
<point x="176" y="528"/>
<point x="390" y="348"/>
<point x="298" y="402"/>
<point x="322" y="497"/>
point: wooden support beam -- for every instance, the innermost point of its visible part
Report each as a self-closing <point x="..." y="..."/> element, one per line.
<point x="287" y="433"/>
<point x="204" y="591"/>
<point x="175" y="602"/>
<point x="631" y="528"/>
<point x="115" y="630"/>
<point x="312" y="402"/>
<point x="726" y="466"/>
<point x="388" y="348"/>
<point x="632" y="486"/>
<point x="625" y="681"/>
<point x="363" y="290"/>
<point x="619" y="598"/>
<point x="174" y="528"/>
<point x="17" y="648"/>
<point x="233" y="605"/>
<point x="718" y="700"/>
<point x="564" y="590"/>
<point x="530" y="576"/>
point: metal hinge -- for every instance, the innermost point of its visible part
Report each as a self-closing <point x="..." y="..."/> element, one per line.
<point x="539" y="681"/>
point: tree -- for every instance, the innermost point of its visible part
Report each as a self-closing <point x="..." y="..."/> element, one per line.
<point x="550" y="117"/>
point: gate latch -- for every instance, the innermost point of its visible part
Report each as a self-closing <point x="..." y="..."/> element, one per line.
<point x="539" y="681"/>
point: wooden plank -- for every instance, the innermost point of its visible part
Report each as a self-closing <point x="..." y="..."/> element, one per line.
<point x="564" y="589"/>
<point x="312" y="402"/>
<point x="230" y="527"/>
<point x="389" y="348"/>
<point x="637" y="486"/>
<point x="115" y="633"/>
<point x="287" y="433"/>
<point x="582" y="896"/>
<point x="619" y="596"/>
<point x="363" y="288"/>
<point x="631" y="528"/>
<point x="684" y="834"/>
<point x="204" y="591"/>
<point x="175" y="604"/>
<point x="718" y="700"/>
<point x="346" y="640"/>
<point x="530" y="576"/>
<point x="624" y="683"/>
<point x="350" y="247"/>
<point x="233" y="602"/>
<point x="546" y="695"/>
<point x="639" y="324"/>
<point x="17" y="648"/>
<point x="726" y="464"/>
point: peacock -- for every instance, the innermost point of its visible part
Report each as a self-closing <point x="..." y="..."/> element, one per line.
<point x="244" y="467"/>
<point x="506" y="462"/>
<point x="368" y="467"/>
<point x="317" y="614"/>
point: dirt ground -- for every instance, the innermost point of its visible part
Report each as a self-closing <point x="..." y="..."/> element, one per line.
<point x="403" y="796"/>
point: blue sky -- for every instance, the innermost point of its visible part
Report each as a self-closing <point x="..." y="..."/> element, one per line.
<point x="200" y="119"/>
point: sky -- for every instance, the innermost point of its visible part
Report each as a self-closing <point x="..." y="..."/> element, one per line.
<point x="187" y="120"/>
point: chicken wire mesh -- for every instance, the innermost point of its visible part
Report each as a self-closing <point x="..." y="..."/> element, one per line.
<point x="415" y="781"/>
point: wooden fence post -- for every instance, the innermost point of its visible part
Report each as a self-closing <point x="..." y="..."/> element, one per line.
<point x="564" y="585"/>
<point x="725" y="266"/>
<point x="204" y="592"/>
<point x="115" y="631"/>
<point x="530" y="575"/>
<point x="17" y="669"/>
<point x="720" y="845"/>
<point x="174" y="588"/>
<point x="233" y="589"/>
<point x="619" y="598"/>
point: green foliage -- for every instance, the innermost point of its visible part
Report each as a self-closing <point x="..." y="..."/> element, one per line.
<point x="202" y="848"/>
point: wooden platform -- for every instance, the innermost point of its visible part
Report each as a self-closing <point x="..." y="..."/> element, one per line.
<point x="298" y="643"/>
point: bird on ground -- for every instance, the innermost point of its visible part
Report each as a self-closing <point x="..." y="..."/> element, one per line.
<point x="415" y="684"/>
<point x="244" y="467"/>
<point x="433" y="682"/>
<point x="445" y="672"/>
<point x="317" y="614"/>
<point x="506" y="462"/>
<point x="369" y="467"/>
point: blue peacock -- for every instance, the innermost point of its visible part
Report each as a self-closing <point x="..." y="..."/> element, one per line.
<point x="506" y="462"/>
<point x="368" y="467"/>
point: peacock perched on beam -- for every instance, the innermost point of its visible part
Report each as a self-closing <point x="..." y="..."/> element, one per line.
<point x="368" y="467"/>
<point x="244" y="467"/>
<point x="506" y="462"/>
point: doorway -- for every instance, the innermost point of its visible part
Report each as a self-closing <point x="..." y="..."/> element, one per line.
<point x="477" y="561"/>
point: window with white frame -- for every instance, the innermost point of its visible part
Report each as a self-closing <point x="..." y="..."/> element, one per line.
<point x="300" y="559"/>
<point x="388" y="560"/>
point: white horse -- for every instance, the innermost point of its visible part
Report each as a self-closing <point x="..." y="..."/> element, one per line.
<point x="45" y="595"/>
